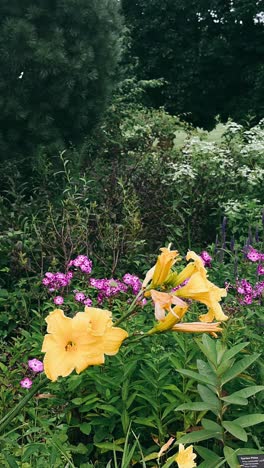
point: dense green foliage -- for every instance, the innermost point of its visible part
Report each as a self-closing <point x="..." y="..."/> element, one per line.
<point x="58" y="64"/>
<point x="210" y="55"/>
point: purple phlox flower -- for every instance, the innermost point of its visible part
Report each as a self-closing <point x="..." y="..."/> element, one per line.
<point x="133" y="281"/>
<point x="247" y="299"/>
<point x="258" y="289"/>
<point x="58" y="300"/>
<point x="108" y="287"/>
<point x="88" y="302"/>
<point x="79" y="297"/>
<point x="35" y="365"/>
<point x="244" y="287"/>
<point x="82" y="262"/>
<point x="206" y="258"/>
<point x="56" y="281"/>
<point x="253" y="255"/>
<point x="26" y="383"/>
<point x="260" y="270"/>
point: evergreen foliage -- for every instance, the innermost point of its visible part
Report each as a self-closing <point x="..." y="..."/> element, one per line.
<point x="58" y="64"/>
<point x="209" y="52"/>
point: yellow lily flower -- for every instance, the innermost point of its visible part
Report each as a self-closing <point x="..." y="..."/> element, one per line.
<point x="198" y="327"/>
<point x="185" y="457"/>
<point x="202" y="290"/>
<point x="79" y="342"/>
<point x="163" y="303"/>
<point x="159" y="273"/>
<point x="196" y="266"/>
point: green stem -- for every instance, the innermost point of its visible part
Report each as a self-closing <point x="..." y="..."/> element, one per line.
<point x="15" y="411"/>
<point x="130" y="310"/>
<point x="127" y="341"/>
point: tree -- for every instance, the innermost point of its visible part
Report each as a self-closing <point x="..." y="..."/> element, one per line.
<point x="58" y="63"/>
<point x="210" y="52"/>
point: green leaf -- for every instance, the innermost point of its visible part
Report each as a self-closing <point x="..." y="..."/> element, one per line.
<point x="249" y="420"/>
<point x="195" y="376"/>
<point x="208" y="347"/>
<point x="231" y="457"/>
<point x="211" y="425"/>
<point x="246" y="392"/>
<point x="106" y="446"/>
<point x="207" y="455"/>
<point x="235" y="400"/>
<point x="85" y="428"/>
<point x="30" y="450"/>
<point x="196" y="406"/>
<point x="208" y="396"/>
<point x="234" y="350"/>
<point x="197" y="436"/>
<point x="235" y="430"/>
<point x="11" y="460"/>
<point x="239" y="367"/>
<point x="145" y="422"/>
<point x="206" y="370"/>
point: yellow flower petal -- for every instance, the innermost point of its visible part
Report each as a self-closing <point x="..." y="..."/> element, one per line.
<point x="100" y="320"/>
<point x="159" y="273"/>
<point x="185" y="457"/>
<point x="202" y="290"/>
<point x="113" y="339"/>
<point x="197" y="327"/>
<point x="58" y="324"/>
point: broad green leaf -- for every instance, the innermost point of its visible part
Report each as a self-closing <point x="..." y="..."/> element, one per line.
<point x="106" y="446"/>
<point x="249" y="420"/>
<point x="239" y="367"/>
<point x="205" y="369"/>
<point x="207" y="454"/>
<point x="208" y="348"/>
<point x="249" y="451"/>
<point x="85" y="428"/>
<point x="234" y="350"/>
<point x="246" y="392"/>
<point x="235" y="400"/>
<point x="197" y="436"/>
<point x="195" y="376"/>
<point x="211" y="425"/>
<point x="11" y="460"/>
<point x="235" y="430"/>
<point x="231" y="457"/>
<point x="151" y="456"/>
<point x="145" y="422"/>
<point x="196" y="406"/>
<point x="208" y="396"/>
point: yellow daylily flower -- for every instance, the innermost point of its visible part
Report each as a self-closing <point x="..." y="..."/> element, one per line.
<point x="202" y="290"/>
<point x="196" y="266"/>
<point x="163" y="303"/>
<point x="79" y="342"/>
<point x="185" y="457"/>
<point x="198" y="327"/>
<point x="159" y="273"/>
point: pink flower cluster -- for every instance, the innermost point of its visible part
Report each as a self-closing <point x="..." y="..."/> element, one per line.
<point x="248" y="293"/>
<point x="132" y="281"/>
<point x="107" y="287"/>
<point x="35" y="366"/>
<point x="54" y="281"/>
<point x="83" y="263"/>
<point x="254" y="256"/>
<point x="206" y="258"/>
<point x="81" y="297"/>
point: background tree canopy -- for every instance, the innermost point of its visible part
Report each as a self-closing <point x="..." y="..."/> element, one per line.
<point x="209" y="52"/>
<point x="58" y="62"/>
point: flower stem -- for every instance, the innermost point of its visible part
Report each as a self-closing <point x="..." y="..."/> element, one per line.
<point x="16" y="410"/>
<point x="130" y="310"/>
